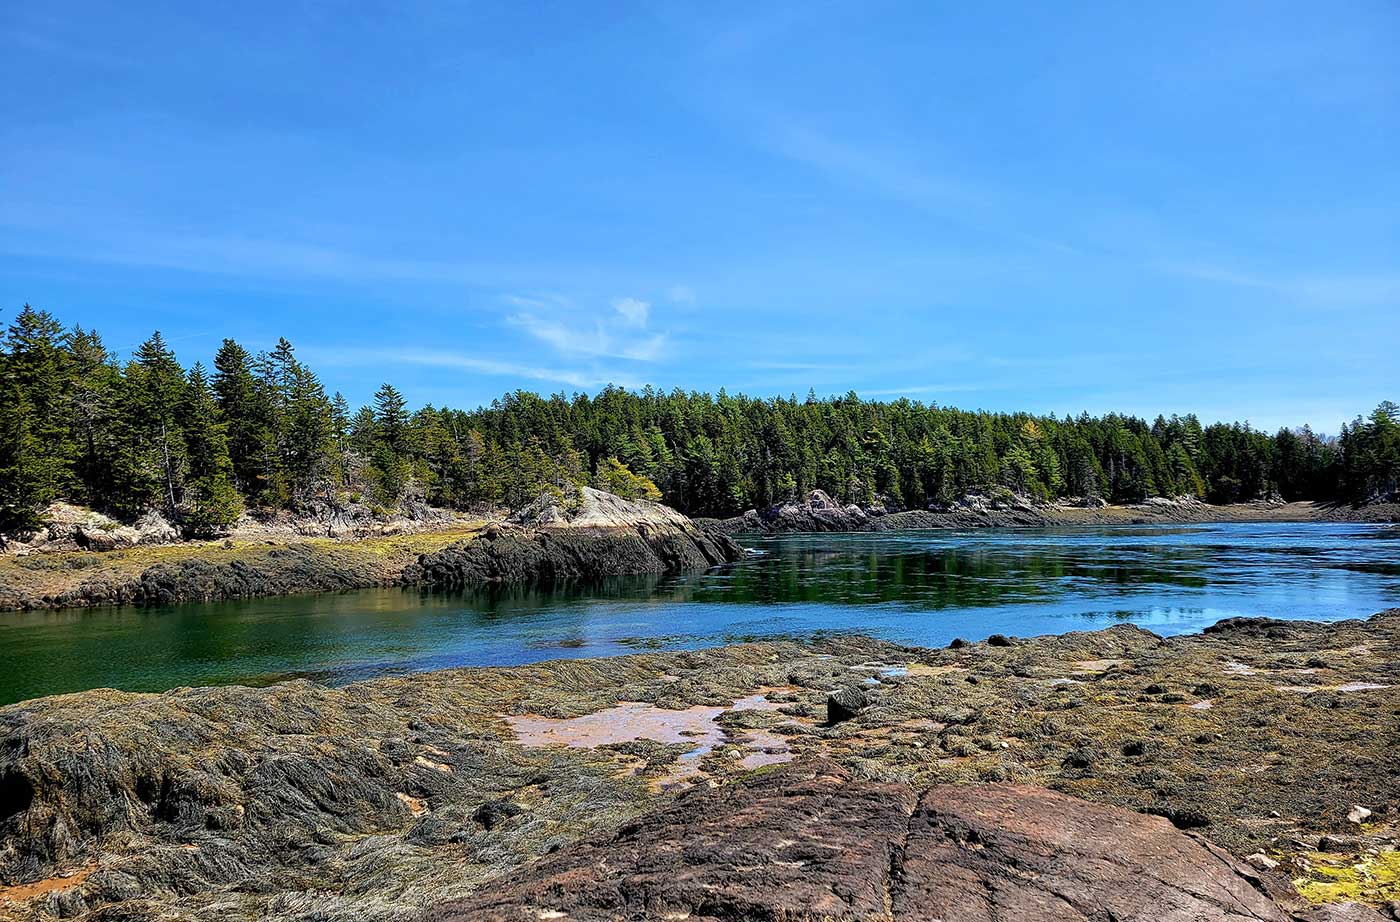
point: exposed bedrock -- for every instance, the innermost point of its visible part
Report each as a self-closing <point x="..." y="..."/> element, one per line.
<point x="818" y="512"/>
<point x="604" y="536"/>
<point x="597" y="535"/>
<point x="809" y="843"/>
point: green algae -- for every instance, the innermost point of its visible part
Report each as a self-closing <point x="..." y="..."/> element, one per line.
<point x="1337" y="879"/>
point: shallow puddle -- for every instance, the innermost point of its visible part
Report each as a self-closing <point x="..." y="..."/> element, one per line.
<point x="629" y="721"/>
<point x="624" y="723"/>
<point x="768" y="748"/>
<point x="1347" y="687"/>
<point x="1097" y="665"/>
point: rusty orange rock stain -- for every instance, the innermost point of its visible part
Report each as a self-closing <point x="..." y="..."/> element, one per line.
<point x="21" y="892"/>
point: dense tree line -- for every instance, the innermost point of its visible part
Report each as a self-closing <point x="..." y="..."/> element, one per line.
<point x="259" y="430"/>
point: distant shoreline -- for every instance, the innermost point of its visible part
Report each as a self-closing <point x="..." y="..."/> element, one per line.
<point x="452" y="556"/>
<point x="807" y="518"/>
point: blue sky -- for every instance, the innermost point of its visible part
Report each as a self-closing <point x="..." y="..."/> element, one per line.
<point x="1135" y="207"/>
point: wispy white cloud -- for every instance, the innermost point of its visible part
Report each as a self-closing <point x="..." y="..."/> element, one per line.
<point x="892" y="173"/>
<point x="579" y="378"/>
<point x="828" y="367"/>
<point x="621" y="333"/>
<point x="544" y="301"/>
<point x="683" y="295"/>
<point x="916" y="389"/>
<point x="1326" y="289"/>
<point x="596" y="341"/>
<point x="254" y="257"/>
<point x="634" y="311"/>
<point x="884" y="171"/>
<point x="45" y="43"/>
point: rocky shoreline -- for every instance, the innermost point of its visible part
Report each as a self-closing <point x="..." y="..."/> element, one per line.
<point x="600" y="536"/>
<point x="818" y="512"/>
<point x="596" y="536"/>
<point x="1268" y="744"/>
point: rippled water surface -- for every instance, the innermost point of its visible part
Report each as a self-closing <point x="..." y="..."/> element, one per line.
<point x="916" y="587"/>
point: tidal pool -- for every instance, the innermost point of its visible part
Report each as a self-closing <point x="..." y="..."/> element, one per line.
<point x="918" y="587"/>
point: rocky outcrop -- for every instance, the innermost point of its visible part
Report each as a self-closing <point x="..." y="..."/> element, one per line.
<point x="818" y="512"/>
<point x="319" y="518"/>
<point x="810" y="844"/>
<point x="601" y="535"/>
<point x="275" y="571"/>
<point x="73" y="528"/>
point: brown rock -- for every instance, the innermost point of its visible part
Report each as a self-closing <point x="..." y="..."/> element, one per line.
<point x="811" y="843"/>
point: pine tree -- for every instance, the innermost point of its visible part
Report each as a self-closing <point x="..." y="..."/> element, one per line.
<point x="340" y="439"/>
<point x="155" y="394"/>
<point x="95" y="401"/>
<point x="613" y="476"/>
<point x="210" y="503"/>
<point x="308" y="443"/>
<point x="391" y="418"/>
<point x="25" y="487"/>
<point x="391" y="458"/>
<point x="244" y="414"/>
<point x="37" y="452"/>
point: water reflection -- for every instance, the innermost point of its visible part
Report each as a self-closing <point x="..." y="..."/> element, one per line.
<point x="914" y="587"/>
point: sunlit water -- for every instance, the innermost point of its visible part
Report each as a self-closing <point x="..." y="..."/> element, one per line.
<point x="914" y="587"/>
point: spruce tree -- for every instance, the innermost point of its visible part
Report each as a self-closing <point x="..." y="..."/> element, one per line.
<point x="243" y="413"/>
<point x="25" y="487"/>
<point x="308" y="444"/>
<point x="36" y="456"/>
<point x="156" y="394"/>
<point x="95" y="402"/>
<point x="210" y="503"/>
<point x="391" y="449"/>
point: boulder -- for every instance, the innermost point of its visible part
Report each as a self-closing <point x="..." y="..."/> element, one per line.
<point x="69" y="528"/>
<point x="154" y="528"/>
<point x="816" y="512"/>
<point x="845" y="703"/>
<point x="810" y="842"/>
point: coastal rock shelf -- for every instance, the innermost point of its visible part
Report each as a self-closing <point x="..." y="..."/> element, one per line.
<point x="387" y="798"/>
<point x="602" y="535"/>
<point x="817" y="512"/>
<point x="812" y="843"/>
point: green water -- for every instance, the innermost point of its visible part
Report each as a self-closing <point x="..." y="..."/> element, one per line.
<point x="913" y="587"/>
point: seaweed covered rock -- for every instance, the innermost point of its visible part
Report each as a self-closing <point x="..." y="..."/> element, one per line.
<point x="273" y="571"/>
<point x="844" y="703"/>
<point x="382" y="799"/>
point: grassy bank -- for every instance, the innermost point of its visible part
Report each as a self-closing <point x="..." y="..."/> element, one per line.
<point x="77" y="578"/>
